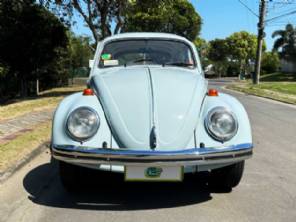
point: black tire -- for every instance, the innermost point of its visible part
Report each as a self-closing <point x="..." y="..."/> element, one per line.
<point x="227" y="177"/>
<point x="70" y="175"/>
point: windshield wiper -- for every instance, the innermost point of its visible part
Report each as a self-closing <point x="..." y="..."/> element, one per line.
<point x="138" y="61"/>
<point x="181" y="64"/>
<point x="142" y="60"/>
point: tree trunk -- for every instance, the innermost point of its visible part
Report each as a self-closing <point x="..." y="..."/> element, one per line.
<point x="220" y="72"/>
<point x="37" y="87"/>
<point x="103" y="23"/>
<point x="24" y="87"/>
<point x="241" y="68"/>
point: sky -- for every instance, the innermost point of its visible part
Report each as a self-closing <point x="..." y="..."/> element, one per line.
<point x="221" y="18"/>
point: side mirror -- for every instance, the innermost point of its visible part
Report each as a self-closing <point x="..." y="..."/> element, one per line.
<point x="91" y="63"/>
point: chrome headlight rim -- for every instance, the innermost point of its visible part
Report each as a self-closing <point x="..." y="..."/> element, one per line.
<point x="211" y="131"/>
<point x="82" y="139"/>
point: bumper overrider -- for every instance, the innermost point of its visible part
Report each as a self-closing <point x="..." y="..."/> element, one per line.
<point x="186" y="157"/>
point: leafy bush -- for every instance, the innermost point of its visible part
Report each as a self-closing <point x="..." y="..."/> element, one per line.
<point x="270" y="62"/>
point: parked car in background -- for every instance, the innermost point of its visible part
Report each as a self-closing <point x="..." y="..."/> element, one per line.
<point x="148" y="113"/>
<point x="209" y="71"/>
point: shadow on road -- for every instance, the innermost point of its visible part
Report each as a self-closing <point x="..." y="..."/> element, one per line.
<point x="105" y="191"/>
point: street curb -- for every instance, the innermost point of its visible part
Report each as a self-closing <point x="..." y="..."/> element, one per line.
<point x="292" y="105"/>
<point x="7" y="173"/>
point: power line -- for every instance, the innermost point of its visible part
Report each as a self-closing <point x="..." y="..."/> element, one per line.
<point x="280" y="16"/>
<point x="247" y="7"/>
<point x="283" y="11"/>
<point x="287" y="2"/>
<point x="285" y="22"/>
<point x="276" y="5"/>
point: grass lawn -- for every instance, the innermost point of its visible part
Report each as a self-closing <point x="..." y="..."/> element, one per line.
<point x="14" y="150"/>
<point x="47" y="99"/>
<point x="277" y="86"/>
<point x="282" y="87"/>
<point x="278" y="77"/>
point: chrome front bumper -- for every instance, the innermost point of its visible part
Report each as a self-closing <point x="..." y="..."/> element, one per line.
<point x="122" y="157"/>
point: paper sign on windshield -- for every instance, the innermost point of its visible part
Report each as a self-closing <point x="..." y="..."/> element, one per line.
<point x="113" y="62"/>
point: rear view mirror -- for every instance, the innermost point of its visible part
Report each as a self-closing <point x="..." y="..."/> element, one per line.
<point x="91" y="63"/>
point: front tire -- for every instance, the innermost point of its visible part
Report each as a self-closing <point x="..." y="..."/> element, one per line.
<point x="70" y="175"/>
<point x="227" y="177"/>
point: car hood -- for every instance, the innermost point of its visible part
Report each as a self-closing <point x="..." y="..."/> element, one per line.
<point x="155" y="107"/>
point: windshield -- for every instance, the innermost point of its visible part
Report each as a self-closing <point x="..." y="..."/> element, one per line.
<point x="144" y="52"/>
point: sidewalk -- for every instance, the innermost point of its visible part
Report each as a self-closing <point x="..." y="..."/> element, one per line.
<point x="10" y="129"/>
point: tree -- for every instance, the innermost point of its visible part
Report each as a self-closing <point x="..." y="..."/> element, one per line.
<point x="218" y="54"/>
<point x="32" y="42"/>
<point x="178" y="17"/>
<point x="97" y="14"/>
<point x="202" y="47"/>
<point x="80" y="53"/>
<point x="270" y="62"/>
<point x="242" y="49"/>
<point x="286" y="42"/>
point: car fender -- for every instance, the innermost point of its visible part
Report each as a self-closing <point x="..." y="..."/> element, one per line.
<point x="243" y="134"/>
<point x="67" y="105"/>
<point x="74" y="101"/>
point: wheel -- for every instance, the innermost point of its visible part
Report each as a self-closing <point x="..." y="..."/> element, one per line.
<point x="70" y="175"/>
<point x="227" y="177"/>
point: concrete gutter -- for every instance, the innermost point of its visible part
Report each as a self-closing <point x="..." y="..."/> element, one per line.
<point x="7" y="173"/>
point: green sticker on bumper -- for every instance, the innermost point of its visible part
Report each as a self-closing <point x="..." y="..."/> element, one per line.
<point x="153" y="172"/>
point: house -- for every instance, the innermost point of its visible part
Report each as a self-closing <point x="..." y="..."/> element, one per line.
<point x="288" y="66"/>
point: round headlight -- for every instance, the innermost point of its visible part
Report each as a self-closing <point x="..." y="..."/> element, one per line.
<point x="83" y="123"/>
<point x="221" y="124"/>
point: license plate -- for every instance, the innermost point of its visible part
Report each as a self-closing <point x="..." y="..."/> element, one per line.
<point x="154" y="173"/>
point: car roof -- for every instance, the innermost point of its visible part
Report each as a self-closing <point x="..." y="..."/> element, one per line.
<point x="145" y="35"/>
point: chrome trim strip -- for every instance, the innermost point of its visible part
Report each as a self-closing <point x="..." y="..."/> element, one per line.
<point x="186" y="157"/>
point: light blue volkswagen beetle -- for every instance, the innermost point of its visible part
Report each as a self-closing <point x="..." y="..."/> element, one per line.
<point x="147" y="113"/>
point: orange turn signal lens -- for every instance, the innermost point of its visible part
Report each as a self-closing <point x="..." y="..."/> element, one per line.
<point x="213" y="92"/>
<point x="88" y="92"/>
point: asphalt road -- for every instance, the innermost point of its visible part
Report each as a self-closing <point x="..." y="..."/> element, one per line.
<point x="267" y="191"/>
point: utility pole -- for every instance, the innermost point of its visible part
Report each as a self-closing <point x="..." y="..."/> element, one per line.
<point x="261" y="35"/>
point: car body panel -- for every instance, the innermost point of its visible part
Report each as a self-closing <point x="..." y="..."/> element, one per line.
<point x="133" y="101"/>
<point x="139" y="98"/>
<point x="177" y="100"/>
<point x="126" y="98"/>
